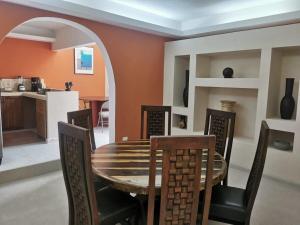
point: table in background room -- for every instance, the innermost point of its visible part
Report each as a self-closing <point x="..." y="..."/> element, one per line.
<point x="95" y="103"/>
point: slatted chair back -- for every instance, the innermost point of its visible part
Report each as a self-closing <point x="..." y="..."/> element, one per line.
<point x="155" y="123"/>
<point x="257" y="167"/>
<point x="83" y="118"/>
<point x="221" y="124"/>
<point x="180" y="178"/>
<point x="75" y="153"/>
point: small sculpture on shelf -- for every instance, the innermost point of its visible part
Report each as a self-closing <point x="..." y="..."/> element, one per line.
<point x="228" y="72"/>
<point x="68" y="85"/>
<point x="287" y="103"/>
<point x="182" y="122"/>
<point x="227" y="105"/>
<point x="186" y="89"/>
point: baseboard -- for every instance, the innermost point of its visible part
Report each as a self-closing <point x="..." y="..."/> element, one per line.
<point x="29" y="171"/>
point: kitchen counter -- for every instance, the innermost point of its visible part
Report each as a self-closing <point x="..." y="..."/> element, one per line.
<point x="42" y="112"/>
<point x="25" y="94"/>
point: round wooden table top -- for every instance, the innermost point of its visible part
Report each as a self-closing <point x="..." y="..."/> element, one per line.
<point x="125" y="166"/>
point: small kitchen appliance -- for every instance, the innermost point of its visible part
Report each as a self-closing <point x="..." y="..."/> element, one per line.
<point x="21" y="86"/>
<point x="35" y="84"/>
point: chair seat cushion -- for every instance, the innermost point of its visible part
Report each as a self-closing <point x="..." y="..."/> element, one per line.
<point x="115" y="206"/>
<point x="227" y="204"/>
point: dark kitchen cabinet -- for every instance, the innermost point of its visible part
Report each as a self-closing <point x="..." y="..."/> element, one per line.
<point x="41" y="118"/>
<point x="12" y="112"/>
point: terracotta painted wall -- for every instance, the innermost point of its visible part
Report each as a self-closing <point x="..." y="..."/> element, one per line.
<point x="137" y="60"/>
<point x="32" y="58"/>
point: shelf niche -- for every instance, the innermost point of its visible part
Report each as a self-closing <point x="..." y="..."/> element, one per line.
<point x="245" y="108"/>
<point x="182" y="63"/>
<point x="282" y="136"/>
<point x="245" y="64"/>
<point x="176" y="120"/>
<point x="284" y="64"/>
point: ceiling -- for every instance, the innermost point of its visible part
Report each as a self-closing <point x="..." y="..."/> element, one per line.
<point x="178" y="18"/>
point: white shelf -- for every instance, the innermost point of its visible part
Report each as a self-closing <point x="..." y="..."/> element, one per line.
<point x="180" y="110"/>
<point x="283" y="125"/>
<point x="250" y="83"/>
<point x="179" y="131"/>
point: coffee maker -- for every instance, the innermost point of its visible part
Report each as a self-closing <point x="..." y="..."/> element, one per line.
<point x="35" y="84"/>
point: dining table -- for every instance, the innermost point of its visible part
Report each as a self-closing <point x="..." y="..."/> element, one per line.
<point x="125" y="166"/>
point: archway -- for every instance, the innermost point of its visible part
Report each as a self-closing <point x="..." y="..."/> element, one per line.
<point x="109" y="70"/>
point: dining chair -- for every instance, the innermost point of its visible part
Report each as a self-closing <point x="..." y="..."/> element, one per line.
<point x="87" y="207"/>
<point x="234" y="205"/>
<point x="221" y="124"/>
<point x="155" y="123"/>
<point x="103" y="117"/>
<point x="182" y="171"/>
<point x="83" y="118"/>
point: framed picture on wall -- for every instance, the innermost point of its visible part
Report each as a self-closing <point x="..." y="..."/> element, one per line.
<point x="84" y="60"/>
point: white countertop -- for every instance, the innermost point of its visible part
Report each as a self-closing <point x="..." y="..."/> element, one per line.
<point x="25" y="94"/>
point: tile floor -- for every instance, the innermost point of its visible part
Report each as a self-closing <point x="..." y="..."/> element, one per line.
<point x="42" y="200"/>
<point x="31" y="154"/>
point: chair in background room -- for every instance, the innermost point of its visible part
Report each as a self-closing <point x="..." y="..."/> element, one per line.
<point x="155" y="122"/>
<point x="221" y="124"/>
<point x="181" y="175"/>
<point x="103" y="117"/>
<point x="104" y="207"/>
<point x="83" y="118"/>
<point x="234" y="205"/>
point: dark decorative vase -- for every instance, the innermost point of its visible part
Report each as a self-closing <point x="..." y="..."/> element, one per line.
<point x="287" y="103"/>
<point x="228" y="72"/>
<point x="186" y="90"/>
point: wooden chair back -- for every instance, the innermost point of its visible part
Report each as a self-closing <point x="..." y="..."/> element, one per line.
<point x="221" y="124"/>
<point x="182" y="166"/>
<point x="257" y="167"/>
<point x="75" y="153"/>
<point x="83" y="118"/>
<point x="155" y="123"/>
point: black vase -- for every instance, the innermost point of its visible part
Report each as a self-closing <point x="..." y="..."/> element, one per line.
<point x="186" y="90"/>
<point x="287" y="103"/>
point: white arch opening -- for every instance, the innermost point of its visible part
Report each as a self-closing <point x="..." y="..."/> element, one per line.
<point x="108" y="65"/>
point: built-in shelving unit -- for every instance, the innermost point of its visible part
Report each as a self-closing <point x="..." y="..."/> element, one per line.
<point x="245" y="64"/>
<point x="261" y="63"/>
<point x="251" y="83"/>
<point x="182" y="63"/>
<point x="284" y="64"/>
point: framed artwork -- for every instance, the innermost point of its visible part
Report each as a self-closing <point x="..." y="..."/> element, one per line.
<point x="84" y="60"/>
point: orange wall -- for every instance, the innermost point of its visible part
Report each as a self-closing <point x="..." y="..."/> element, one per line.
<point x="137" y="60"/>
<point x="32" y="58"/>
